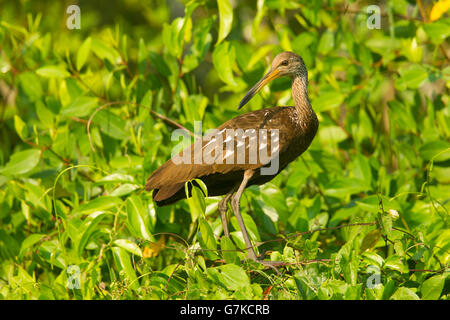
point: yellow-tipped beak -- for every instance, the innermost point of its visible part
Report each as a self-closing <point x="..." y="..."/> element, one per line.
<point x="272" y="74"/>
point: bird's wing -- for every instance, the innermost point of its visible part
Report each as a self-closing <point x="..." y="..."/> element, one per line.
<point x="230" y="147"/>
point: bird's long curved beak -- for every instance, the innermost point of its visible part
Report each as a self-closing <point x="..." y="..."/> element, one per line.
<point x="272" y="74"/>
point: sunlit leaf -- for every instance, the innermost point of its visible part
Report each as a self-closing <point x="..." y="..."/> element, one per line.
<point x="234" y="276"/>
<point x="226" y="19"/>
<point x="21" y="127"/>
<point x="404" y="293"/>
<point x="138" y="218"/>
<point x="21" y="162"/>
<point x="129" y="245"/>
<point x="83" y="52"/>
<point x="431" y="288"/>
<point x="123" y="263"/>
<point x="52" y="72"/>
<point x="98" y="204"/>
<point x="80" y="107"/>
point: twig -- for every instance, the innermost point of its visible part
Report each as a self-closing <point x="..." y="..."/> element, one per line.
<point x="162" y="117"/>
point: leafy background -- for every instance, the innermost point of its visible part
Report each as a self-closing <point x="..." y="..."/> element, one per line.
<point x="86" y="116"/>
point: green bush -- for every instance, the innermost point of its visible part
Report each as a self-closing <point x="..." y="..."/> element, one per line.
<point x="86" y="116"/>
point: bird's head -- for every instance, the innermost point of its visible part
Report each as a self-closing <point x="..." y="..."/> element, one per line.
<point x="286" y="64"/>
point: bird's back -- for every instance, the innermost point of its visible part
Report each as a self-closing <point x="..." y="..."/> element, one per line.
<point x="288" y="137"/>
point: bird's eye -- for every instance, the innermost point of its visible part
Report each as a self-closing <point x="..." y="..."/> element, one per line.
<point x="284" y="63"/>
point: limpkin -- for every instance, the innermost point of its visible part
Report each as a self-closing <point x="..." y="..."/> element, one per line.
<point x="296" y="127"/>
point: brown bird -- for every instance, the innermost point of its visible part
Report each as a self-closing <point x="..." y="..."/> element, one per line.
<point x="250" y="149"/>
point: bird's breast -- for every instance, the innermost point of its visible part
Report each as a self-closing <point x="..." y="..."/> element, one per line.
<point x="299" y="134"/>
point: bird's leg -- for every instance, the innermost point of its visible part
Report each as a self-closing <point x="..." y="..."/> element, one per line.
<point x="223" y="207"/>
<point x="236" y="205"/>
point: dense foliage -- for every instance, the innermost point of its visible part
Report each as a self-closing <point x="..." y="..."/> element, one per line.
<point x="86" y="116"/>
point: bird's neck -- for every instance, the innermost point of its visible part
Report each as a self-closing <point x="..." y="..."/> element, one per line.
<point x="301" y="100"/>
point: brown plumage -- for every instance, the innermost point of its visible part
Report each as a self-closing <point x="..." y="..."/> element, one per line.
<point x="295" y="126"/>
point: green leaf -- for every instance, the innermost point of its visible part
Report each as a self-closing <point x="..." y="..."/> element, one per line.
<point x="29" y="242"/>
<point x="404" y="293"/>
<point x="332" y="135"/>
<point x="98" y="204"/>
<point x="53" y="72"/>
<point x="371" y="203"/>
<point x="159" y="63"/>
<point x="200" y="47"/>
<point x="438" y="31"/>
<point x="252" y="229"/>
<point x="272" y="196"/>
<point x="83" y="52"/>
<point x="223" y="59"/>
<point x="362" y="169"/>
<point x="103" y="51"/>
<point x="116" y="178"/>
<point x="173" y="36"/>
<point x="207" y="239"/>
<point x="350" y="270"/>
<point x="431" y="288"/>
<point x="111" y="124"/>
<point x="326" y="43"/>
<point x="87" y="229"/>
<point x="142" y="51"/>
<point x="260" y="13"/>
<point x="51" y="252"/>
<point x="327" y="99"/>
<point x="139" y="218"/>
<point x="437" y="150"/>
<point x="371" y="258"/>
<point x="228" y="250"/>
<point x="124" y="189"/>
<point x="413" y="76"/>
<point x="226" y="19"/>
<point x="195" y="106"/>
<point x="344" y="187"/>
<point x="396" y="262"/>
<point x="257" y="56"/>
<point x="44" y="115"/>
<point x="202" y="186"/>
<point x="123" y="263"/>
<point x="21" y="127"/>
<point x="386" y="224"/>
<point x="31" y="85"/>
<point x="196" y="202"/>
<point x="179" y="31"/>
<point x="80" y="107"/>
<point x="370" y="240"/>
<point x="129" y="245"/>
<point x="234" y="276"/>
<point x="21" y="162"/>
